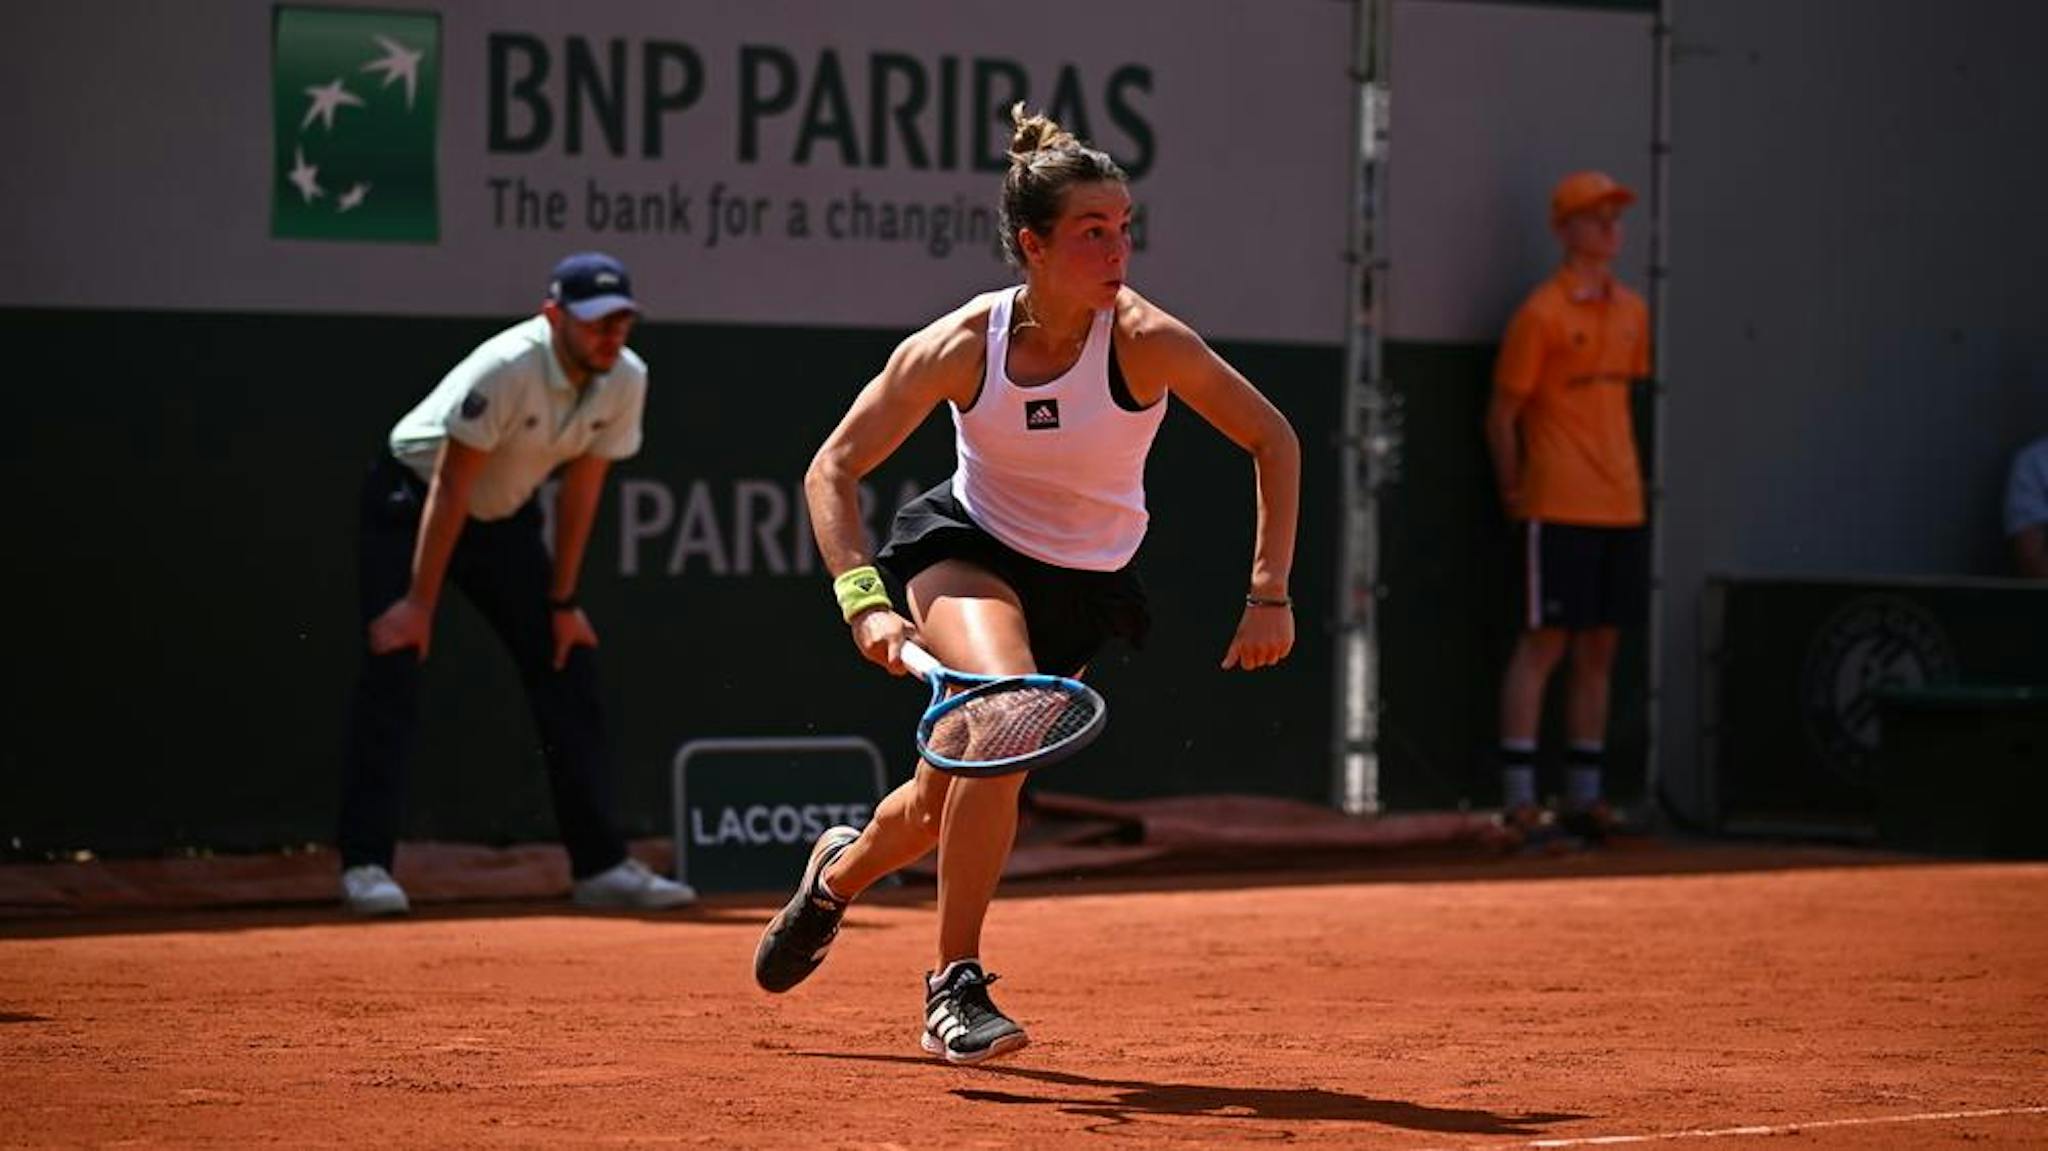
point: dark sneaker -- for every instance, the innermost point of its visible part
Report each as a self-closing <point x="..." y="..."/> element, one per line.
<point x="1596" y="825"/>
<point x="1531" y="830"/>
<point x="961" y="1023"/>
<point x="802" y="932"/>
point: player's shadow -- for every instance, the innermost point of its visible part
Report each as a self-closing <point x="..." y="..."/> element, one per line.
<point x="1125" y="1100"/>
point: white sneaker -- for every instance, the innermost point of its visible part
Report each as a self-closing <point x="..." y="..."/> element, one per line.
<point x="631" y="884"/>
<point x="370" y="890"/>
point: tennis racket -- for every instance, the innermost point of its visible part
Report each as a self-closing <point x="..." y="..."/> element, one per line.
<point x="983" y="725"/>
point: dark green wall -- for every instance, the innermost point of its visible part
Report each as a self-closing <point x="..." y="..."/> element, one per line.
<point x="182" y="581"/>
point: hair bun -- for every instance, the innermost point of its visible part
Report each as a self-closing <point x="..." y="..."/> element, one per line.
<point x="1045" y="160"/>
<point x="1033" y="134"/>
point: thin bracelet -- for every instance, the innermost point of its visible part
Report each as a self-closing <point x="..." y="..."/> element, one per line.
<point x="1268" y="601"/>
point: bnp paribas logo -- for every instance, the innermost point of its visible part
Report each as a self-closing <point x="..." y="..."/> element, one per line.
<point x="355" y="95"/>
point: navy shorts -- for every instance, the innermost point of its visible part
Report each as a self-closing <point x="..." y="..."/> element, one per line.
<point x="1576" y="577"/>
<point x="1071" y="613"/>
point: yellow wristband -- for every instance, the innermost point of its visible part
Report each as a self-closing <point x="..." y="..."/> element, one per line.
<point x="859" y="589"/>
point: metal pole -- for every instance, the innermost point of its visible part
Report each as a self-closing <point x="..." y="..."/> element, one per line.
<point x="1371" y="432"/>
<point x="1659" y="281"/>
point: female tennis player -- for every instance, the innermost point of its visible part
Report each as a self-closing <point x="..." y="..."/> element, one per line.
<point x="1021" y="561"/>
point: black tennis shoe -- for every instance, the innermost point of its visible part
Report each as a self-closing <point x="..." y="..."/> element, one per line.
<point x="961" y="1023"/>
<point x="1527" y="829"/>
<point x="1597" y="824"/>
<point x="802" y="932"/>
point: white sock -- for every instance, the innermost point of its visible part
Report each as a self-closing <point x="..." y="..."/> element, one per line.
<point x="1583" y="774"/>
<point x="1517" y="773"/>
<point x="938" y="979"/>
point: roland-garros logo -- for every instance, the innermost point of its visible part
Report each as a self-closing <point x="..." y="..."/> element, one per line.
<point x="1873" y="643"/>
<point x="355" y="97"/>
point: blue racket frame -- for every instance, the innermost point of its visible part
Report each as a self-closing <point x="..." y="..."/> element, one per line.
<point x="926" y="667"/>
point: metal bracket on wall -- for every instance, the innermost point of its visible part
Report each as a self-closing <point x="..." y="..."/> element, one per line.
<point x="1372" y="436"/>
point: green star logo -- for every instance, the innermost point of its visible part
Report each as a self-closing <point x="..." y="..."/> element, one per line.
<point x="355" y="97"/>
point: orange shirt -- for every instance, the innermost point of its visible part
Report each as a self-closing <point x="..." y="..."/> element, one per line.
<point x="1570" y="358"/>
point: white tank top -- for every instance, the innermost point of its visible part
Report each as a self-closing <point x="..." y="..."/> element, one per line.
<point x="1056" y="471"/>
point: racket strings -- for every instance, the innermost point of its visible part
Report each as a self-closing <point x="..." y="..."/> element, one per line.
<point x="1006" y="724"/>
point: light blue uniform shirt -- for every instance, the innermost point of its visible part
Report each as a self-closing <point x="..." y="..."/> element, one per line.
<point x="2026" y="493"/>
<point x="511" y="398"/>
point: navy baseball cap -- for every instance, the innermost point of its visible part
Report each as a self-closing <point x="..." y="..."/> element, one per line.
<point x="591" y="285"/>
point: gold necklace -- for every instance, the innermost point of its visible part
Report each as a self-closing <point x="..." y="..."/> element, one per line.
<point x="1030" y="320"/>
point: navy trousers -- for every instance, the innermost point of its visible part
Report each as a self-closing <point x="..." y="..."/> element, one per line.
<point x="503" y="568"/>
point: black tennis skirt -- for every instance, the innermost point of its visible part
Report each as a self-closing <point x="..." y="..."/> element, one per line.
<point x="1071" y="613"/>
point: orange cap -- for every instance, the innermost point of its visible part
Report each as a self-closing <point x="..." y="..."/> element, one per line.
<point x="1582" y="190"/>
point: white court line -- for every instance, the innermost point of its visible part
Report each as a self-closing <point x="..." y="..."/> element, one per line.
<point x="1774" y="1129"/>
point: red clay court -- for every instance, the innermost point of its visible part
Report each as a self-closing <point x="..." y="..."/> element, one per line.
<point x="1715" y="996"/>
